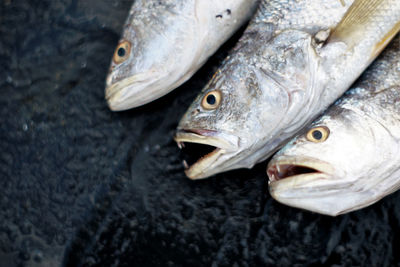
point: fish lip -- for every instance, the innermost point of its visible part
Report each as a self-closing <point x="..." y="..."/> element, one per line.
<point x="132" y="91"/>
<point x="117" y="93"/>
<point x="224" y="143"/>
<point x="322" y="171"/>
<point x="227" y="142"/>
<point x="320" y="191"/>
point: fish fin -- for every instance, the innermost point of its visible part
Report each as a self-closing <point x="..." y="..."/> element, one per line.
<point x="385" y="40"/>
<point x="359" y="16"/>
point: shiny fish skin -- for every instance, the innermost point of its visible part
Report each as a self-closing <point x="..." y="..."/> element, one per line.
<point x="359" y="162"/>
<point x="288" y="67"/>
<point x="165" y="43"/>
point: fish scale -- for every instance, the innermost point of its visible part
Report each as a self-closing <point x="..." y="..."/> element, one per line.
<point x="311" y="16"/>
<point x="293" y="61"/>
<point x="165" y="42"/>
<point x="361" y="151"/>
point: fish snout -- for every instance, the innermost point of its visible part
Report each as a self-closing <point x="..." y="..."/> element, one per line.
<point x="205" y="150"/>
<point x="134" y="91"/>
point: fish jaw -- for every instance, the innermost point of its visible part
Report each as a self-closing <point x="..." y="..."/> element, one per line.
<point x="226" y="147"/>
<point x="132" y="91"/>
<point x="297" y="171"/>
<point x="310" y="184"/>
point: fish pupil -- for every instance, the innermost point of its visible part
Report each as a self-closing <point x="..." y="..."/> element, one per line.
<point x="211" y="99"/>
<point x="121" y="52"/>
<point x="317" y="134"/>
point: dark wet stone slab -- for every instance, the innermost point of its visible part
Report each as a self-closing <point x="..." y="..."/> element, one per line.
<point x="83" y="186"/>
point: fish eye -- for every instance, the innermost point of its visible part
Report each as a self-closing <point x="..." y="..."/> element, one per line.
<point x="318" y="134"/>
<point x="211" y="100"/>
<point x="122" y="52"/>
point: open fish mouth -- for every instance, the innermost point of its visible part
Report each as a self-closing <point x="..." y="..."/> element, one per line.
<point x="205" y="150"/>
<point x="297" y="171"/>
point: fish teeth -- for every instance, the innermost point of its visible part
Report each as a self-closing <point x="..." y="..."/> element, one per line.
<point x="185" y="164"/>
<point x="181" y="145"/>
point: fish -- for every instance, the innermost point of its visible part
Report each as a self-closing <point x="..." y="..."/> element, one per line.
<point x="295" y="58"/>
<point x="349" y="157"/>
<point x="165" y="42"/>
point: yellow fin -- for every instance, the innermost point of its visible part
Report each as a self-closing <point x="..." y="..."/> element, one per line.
<point x="386" y="40"/>
<point x="362" y="14"/>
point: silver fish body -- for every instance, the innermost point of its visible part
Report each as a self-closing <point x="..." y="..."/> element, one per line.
<point x="350" y="157"/>
<point x="294" y="60"/>
<point x="165" y="42"/>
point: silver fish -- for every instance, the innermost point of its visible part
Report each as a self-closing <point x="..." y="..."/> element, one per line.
<point x="350" y="157"/>
<point x="165" y="42"/>
<point x="294" y="60"/>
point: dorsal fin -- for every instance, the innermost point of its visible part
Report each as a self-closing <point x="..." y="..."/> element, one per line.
<point x="360" y="16"/>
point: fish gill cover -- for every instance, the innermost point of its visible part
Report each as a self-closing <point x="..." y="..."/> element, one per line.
<point x="83" y="186"/>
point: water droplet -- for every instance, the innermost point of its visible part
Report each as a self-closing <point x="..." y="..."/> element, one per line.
<point x="37" y="255"/>
<point x="9" y="79"/>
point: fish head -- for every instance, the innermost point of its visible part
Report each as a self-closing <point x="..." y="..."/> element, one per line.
<point x="158" y="50"/>
<point x="164" y="43"/>
<point x="331" y="168"/>
<point x="226" y="116"/>
<point x="252" y="98"/>
<point x="144" y="65"/>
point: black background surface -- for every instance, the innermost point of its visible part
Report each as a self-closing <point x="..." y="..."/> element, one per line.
<point x="83" y="186"/>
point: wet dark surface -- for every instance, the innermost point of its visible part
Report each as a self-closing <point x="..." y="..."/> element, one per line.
<point x="82" y="186"/>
